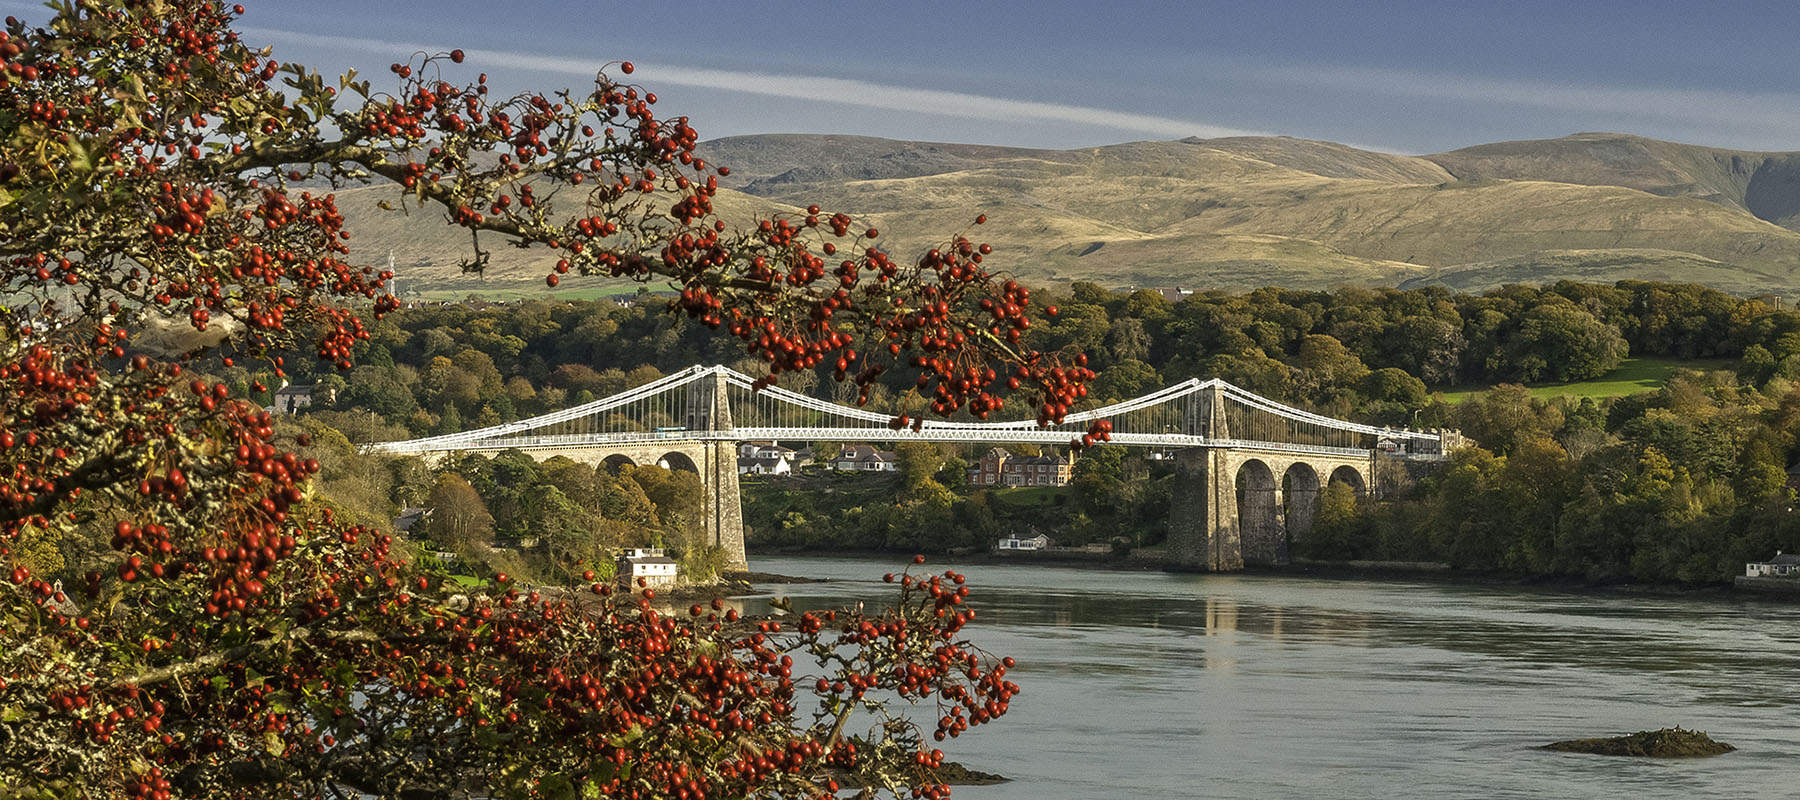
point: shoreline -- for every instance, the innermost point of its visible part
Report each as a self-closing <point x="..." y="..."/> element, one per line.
<point x="733" y="584"/>
<point x="1378" y="571"/>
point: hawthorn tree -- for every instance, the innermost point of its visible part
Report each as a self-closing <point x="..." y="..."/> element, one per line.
<point x="225" y="635"/>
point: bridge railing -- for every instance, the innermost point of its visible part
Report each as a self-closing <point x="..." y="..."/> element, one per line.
<point x="1181" y="415"/>
<point x="576" y="442"/>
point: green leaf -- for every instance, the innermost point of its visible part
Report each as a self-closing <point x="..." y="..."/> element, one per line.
<point x="272" y="742"/>
<point x="557" y="787"/>
<point x="79" y="157"/>
<point x="12" y="714"/>
<point x="629" y="737"/>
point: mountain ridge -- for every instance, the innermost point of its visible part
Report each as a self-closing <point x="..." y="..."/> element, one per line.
<point x="1242" y="212"/>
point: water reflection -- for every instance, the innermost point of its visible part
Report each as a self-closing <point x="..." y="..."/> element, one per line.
<point x="1227" y="686"/>
<point x="1221" y="615"/>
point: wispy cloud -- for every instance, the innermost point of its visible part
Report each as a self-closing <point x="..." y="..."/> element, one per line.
<point x="800" y="87"/>
<point x="1757" y="114"/>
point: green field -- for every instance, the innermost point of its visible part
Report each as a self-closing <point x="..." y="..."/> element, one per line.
<point x="1633" y="375"/>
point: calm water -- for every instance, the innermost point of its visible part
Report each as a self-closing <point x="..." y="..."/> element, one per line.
<point x="1153" y="685"/>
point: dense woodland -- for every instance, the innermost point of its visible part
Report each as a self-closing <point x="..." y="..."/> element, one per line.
<point x="1676" y="484"/>
<point x="1372" y="354"/>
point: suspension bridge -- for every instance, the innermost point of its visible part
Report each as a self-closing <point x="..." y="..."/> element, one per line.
<point x="1249" y="470"/>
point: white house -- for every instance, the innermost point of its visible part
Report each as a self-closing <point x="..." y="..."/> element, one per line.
<point x="650" y="564"/>
<point x="1013" y="542"/>
<point x="863" y="458"/>
<point x="1781" y="566"/>
<point x="761" y="458"/>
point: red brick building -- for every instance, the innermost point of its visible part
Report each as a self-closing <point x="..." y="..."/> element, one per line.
<point x="999" y="467"/>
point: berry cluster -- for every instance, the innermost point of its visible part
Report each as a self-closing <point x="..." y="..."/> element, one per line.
<point x="157" y="167"/>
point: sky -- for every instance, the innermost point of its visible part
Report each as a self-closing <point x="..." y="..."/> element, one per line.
<point x="1402" y="77"/>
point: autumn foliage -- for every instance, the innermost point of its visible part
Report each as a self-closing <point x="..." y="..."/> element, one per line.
<point x="182" y="618"/>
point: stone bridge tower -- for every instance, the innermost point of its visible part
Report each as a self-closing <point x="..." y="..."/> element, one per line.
<point x="709" y="410"/>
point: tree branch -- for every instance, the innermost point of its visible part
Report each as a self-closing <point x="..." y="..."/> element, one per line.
<point x="214" y="660"/>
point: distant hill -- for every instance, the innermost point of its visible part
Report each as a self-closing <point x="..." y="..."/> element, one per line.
<point x="1243" y="212"/>
<point x="1764" y="184"/>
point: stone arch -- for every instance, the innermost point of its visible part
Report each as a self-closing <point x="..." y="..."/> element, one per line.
<point x="1259" y="514"/>
<point x="1352" y="477"/>
<point x="615" y="462"/>
<point x="1300" y="500"/>
<point x="676" y="460"/>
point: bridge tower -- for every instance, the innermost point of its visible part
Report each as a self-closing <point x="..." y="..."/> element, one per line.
<point x="1203" y="529"/>
<point x="709" y="410"/>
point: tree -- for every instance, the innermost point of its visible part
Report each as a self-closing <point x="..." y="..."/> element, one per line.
<point x="919" y="464"/>
<point x="1126" y="379"/>
<point x="1109" y="487"/>
<point x="1502" y="416"/>
<point x="1564" y="343"/>
<point x="1326" y="369"/>
<point x="459" y="519"/>
<point x="1127" y="340"/>
<point x="1393" y="385"/>
<point x="231" y="636"/>
<point x="677" y="495"/>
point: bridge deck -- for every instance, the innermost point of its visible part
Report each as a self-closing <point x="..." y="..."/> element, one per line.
<point x="715" y="404"/>
<point x="1050" y="437"/>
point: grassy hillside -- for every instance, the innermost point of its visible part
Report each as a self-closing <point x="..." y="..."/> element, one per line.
<point x="1236" y="213"/>
<point x="1330" y="159"/>
<point x="1154" y="213"/>
<point x="1633" y="375"/>
<point x="428" y="251"/>
<point x="1765" y="184"/>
